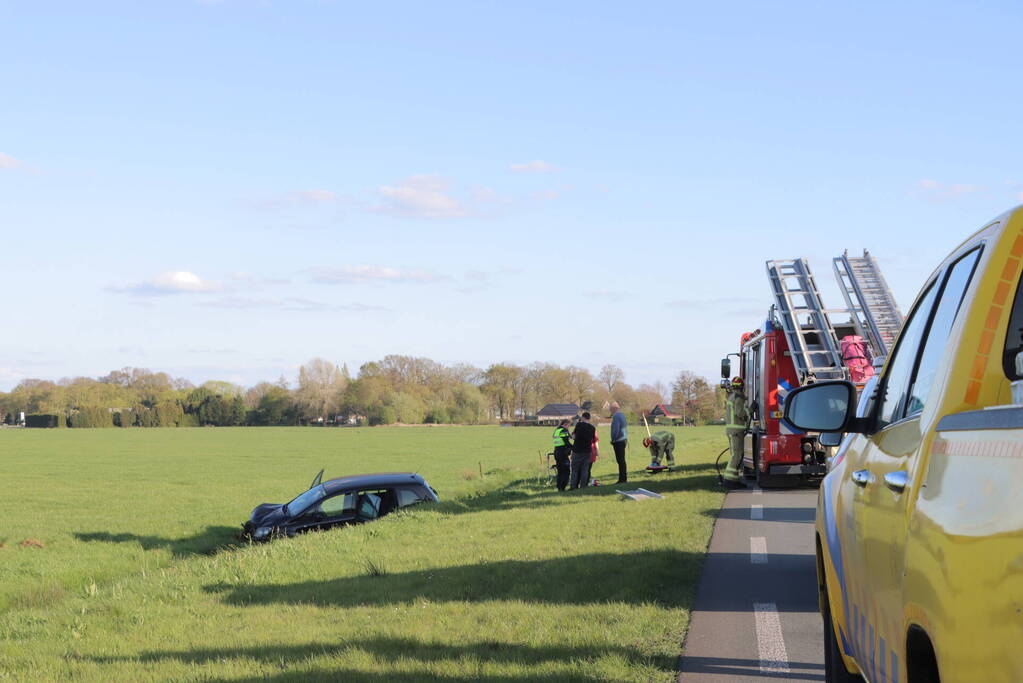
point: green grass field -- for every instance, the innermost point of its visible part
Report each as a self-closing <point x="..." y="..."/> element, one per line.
<point x="141" y="575"/>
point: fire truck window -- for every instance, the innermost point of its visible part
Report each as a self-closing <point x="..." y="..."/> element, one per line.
<point x="900" y="369"/>
<point x="959" y="276"/>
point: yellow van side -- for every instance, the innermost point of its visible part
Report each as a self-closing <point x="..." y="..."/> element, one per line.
<point x="919" y="524"/>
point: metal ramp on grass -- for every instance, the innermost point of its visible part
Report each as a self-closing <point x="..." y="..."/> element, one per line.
<point x="870" y="301"/>
<point x="811" y="337"/>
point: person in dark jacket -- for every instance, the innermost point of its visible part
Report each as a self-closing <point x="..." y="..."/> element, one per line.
<point x="619" y="439"/>
<point x="582" y="451"/>
<point x="562" y="449"/>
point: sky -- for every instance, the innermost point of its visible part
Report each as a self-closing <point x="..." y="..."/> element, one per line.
<point x="226" y="190"/>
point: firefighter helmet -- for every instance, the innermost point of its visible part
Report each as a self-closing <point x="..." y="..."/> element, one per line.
<point x="737" y="382"/>
<point x="647" y="442"/>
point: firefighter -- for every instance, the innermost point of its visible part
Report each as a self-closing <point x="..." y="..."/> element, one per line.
<point x="562" y="451"/>
<point x="736" y="423"/>
<point x="660" y="444"/>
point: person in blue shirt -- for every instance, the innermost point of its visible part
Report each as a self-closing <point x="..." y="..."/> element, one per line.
<point x="619" y="440"/>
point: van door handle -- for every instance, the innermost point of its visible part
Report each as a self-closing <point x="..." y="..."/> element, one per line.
<point x="896" y="481"/>
<point x="862" y="477"/>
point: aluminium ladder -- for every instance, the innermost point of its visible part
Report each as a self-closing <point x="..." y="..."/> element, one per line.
<point x="812" y="342"/>
<point x="871" y="304"/>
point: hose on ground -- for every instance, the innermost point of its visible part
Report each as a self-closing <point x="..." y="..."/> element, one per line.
<point x="717" y="465"/>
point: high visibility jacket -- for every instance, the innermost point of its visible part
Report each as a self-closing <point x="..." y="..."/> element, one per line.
<point x="560" y="437"/>
<point x="736" y="413"/>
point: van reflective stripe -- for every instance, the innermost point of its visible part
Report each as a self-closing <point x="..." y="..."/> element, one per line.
<point x="1006" y="283"/>
<point x="978" y="449"/>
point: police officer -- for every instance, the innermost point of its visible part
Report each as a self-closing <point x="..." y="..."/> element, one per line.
<point x="736" y="423"/>
<point x="562" y="451"/>
<point x="660" y="444"/>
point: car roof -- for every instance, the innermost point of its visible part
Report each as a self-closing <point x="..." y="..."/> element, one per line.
<point x="370" y="480"/>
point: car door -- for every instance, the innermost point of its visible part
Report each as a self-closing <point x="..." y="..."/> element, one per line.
<point x="889" y="468"/>
<point x="858" y="492"/>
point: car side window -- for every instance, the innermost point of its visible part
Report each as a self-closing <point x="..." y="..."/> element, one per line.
<point x="341" y="504"/>
<point x="900" y="368"/>
<point x="956" y="282"/>
<point x="376" y="503"/>
<point x="408" y="497"/>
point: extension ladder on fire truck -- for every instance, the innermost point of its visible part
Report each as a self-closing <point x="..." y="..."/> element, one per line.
<point x="812" y="343"/>
<point x="871" y="303"/>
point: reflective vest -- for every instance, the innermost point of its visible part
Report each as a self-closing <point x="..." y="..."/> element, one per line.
<point x="560" y="437"/>
<point x="735" y="411"/>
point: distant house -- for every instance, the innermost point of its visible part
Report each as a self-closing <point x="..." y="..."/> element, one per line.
<point x="555" y="412"/>
<point x="666" y="412"/>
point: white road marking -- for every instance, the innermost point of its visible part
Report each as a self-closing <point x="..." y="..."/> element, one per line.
<point x="770" y="642"/>
<point x="756" y="511"/>
<point x="758" y="550"/>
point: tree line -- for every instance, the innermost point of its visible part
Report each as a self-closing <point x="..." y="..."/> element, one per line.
<point x="394" y="389"/>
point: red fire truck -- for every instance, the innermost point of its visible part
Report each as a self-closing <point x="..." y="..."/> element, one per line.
<point x="799" y="344"/>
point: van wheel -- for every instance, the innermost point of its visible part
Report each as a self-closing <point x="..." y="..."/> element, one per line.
<point x="834" y="665"/>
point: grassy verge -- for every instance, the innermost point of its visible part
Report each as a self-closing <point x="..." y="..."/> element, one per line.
<point x="140" y="577"/>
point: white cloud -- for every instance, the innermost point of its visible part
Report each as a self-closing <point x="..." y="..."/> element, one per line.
<point x="536" y="166"/>
<point x="173" y="282"/>
<point x="315" y="197"/>
<point x="421" y="196"/>
<point x="7" y="161"/>
<point x="346" y="275"/>
<point x="290" y="303"/>
<point x="937" y="191"/>
<point x="542" y="195"/>
<point x="606" y="295"/>
<point x="256" y="280"/>
<point x="726" y="305"/>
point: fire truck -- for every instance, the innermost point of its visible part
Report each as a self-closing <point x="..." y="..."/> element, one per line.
<point x="799" y="344"/>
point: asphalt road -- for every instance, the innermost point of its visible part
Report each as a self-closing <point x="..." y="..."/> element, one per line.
<point x="756" y="615"/>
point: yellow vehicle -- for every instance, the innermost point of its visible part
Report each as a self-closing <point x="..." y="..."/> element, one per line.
<point x="920" y="522"/>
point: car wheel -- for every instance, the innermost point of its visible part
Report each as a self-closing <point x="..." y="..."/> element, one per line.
<point x="834" y="665"/>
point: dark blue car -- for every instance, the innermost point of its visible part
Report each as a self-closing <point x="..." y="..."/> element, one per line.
<point x="337" y="502"/>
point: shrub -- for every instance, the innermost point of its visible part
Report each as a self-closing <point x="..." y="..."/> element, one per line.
<point x="169" y="414"/>
<point x="124" y="418"/>
<point x="189" y="420"/>
<point x="382" y="415"/>
<point x="437" y="416"/>
<point x="146" y="417"/>
<point x="44" y="420"/>
<point x="89" y="417"/>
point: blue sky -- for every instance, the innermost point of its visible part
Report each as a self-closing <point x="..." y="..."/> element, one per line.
<point x="224" y="190"/>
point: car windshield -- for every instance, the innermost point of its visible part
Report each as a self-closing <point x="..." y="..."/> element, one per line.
<point x="304" y="500"/>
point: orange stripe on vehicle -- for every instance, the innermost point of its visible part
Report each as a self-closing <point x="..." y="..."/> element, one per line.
<point x="987" y="338"/>
<point x="994" y="314"/>
<point x="978" y="367"/>
<point x="1011" y="264"/>
<point x="1017" y="246"/>
<point x="1001" y="293"/>
<point x="973" y="391"/>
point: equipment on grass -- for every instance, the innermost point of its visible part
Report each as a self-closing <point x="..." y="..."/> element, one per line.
<point x="654" y="469"/>
<point x="639" y="494"/>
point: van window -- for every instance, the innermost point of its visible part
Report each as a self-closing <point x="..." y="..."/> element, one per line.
<point x="958" y="279"/>
<point x="900" y="368"/>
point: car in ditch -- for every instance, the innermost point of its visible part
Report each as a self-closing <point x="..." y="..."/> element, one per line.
<point x="339" y="502"/>
<point x="919" y="530"/>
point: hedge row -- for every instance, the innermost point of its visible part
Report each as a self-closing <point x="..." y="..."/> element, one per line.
<point x="44" y="420"/>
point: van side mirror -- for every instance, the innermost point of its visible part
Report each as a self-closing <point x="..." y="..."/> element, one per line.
<point x="823" y="407"/>
<point x="726" y="368"/>
<point x="830" y="439"/>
